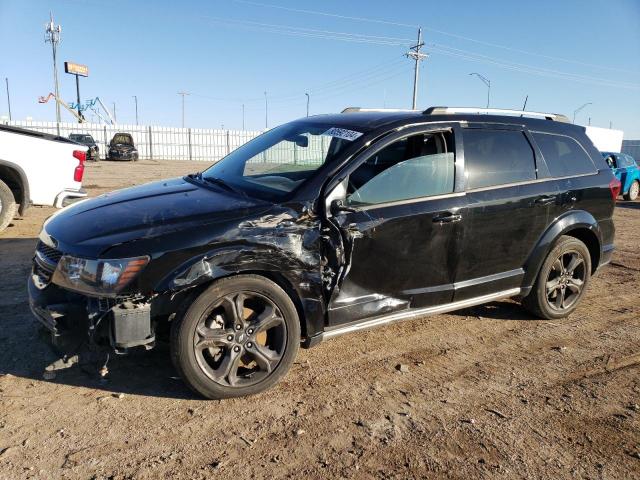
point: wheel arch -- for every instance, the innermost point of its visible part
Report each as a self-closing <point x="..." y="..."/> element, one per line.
<point x="299" y="284"/>
<point x="15" y="178"/>
<point x="576" y="223"/>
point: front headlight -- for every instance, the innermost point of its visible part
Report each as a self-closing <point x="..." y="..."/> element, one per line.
<point x="97" y="277"/>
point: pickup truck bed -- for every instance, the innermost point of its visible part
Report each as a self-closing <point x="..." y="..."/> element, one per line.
<point x="37" y="168"/>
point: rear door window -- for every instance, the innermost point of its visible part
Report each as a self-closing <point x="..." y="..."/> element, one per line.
<point x="497" y="157"/>
<point x="564" y="156"/>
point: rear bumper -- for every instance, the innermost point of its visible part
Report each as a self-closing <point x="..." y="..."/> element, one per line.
<point x="607" y="253"/>
<point x="67" y="197"/>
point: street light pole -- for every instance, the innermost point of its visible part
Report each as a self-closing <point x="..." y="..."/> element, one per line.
<point x="577" y="110"/>
<point x="307" y="103"/>
<point x="183" y="95"/>
<point x="266" y="111"/>
<point x="487" y="82"/>
<point x="6" y="80"/>
<point x="135" y="98"/>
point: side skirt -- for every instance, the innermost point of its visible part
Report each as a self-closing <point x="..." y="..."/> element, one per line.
<point x="419" y="312"/>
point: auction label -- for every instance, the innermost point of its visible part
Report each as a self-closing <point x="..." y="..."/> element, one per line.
<point x="343" y="133"/>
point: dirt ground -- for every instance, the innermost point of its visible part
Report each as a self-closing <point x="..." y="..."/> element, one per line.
<point x="489" y="391"/>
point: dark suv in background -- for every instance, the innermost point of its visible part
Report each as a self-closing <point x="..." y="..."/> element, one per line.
<point x="329" y="225"/>
<point x="93" y="155"/>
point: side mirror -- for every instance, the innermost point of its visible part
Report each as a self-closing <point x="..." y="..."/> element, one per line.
<point x="338" y="206"/>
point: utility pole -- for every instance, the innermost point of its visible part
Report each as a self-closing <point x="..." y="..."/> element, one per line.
<point x="243" y="116"/>
<point x="114" y="112"/>
<point x="414" y="53"/>
<point x="487" y="82"/>
<point x="52" y="36"/>
<point x="307" y="103"/>
<point x="6" y="80"/>
<point x="135" y="98"/>
<point x="266" y="111"/>
<point x="183" y="95"/>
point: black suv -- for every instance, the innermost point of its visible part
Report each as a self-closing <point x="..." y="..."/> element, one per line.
<point x="93" y="155"/>
<point x="328" y="225"/>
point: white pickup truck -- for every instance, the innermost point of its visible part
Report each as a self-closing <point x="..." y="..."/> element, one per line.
<point x="38" y="169"/>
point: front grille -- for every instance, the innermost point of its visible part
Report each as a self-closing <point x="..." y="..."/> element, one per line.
<point x="49" y="254"/>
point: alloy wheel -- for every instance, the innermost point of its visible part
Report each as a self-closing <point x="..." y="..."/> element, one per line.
<point x="566" y="280"/>
<point x="240" y="340"/>
<point x="634" y="190"/>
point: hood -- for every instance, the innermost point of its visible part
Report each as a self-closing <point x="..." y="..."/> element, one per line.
<point x="144" y="212"/>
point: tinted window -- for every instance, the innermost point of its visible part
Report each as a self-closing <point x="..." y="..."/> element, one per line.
<point x="414" y="167"/>
<point x="496" y="157"/>
<point x="564" y="156"/>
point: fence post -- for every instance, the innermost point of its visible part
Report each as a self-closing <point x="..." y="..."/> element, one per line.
<point x="228" y="143"/>
<point x="106" y="145"/>
<point x="190" y="157"/>
<point x="150" y="144"/>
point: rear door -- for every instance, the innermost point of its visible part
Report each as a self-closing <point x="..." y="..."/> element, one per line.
<point x="402" y="239"/>
<point x="508" y="200"/>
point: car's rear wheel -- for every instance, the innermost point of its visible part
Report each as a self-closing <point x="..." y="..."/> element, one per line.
<point x="7" y="206"/>
<point x="239" y="337"/>
<point x="562" y="280"/>
<point x="634" y="191"/>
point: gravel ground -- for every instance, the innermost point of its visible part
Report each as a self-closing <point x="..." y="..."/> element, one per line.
<point x="484" y="392"/>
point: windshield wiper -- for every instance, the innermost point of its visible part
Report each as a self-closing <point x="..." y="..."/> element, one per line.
<point x="220" y="182"/>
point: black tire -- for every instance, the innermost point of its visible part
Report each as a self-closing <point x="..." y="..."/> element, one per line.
<point x="560" y="286"/>
<point x="634" y="191"/>
<point x="202" y="349"/>
<point x="7" y="206"/>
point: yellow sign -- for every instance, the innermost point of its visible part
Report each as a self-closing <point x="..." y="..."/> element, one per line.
<point x="76" y="69"/>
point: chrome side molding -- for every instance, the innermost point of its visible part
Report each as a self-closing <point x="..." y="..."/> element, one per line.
<point x="419" y="312"/>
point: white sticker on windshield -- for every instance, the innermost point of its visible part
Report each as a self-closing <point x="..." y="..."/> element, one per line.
<point x="342" y="133"/>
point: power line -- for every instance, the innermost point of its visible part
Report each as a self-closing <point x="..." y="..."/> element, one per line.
<point x="438" y="31"/>
<point x="324" y="14"/>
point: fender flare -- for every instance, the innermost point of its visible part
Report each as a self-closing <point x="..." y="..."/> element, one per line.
<point x="298" y="279"/>
<point x="25" y="199"/>
<point x="563" y="225"/>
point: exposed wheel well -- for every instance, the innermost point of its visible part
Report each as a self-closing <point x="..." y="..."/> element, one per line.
<point x="283" y="283"/>
<point x="590" y="239"/>
<point x="279" y="279"/>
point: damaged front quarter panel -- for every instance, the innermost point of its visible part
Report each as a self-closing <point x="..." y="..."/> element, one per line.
<point x="284" y="243"/>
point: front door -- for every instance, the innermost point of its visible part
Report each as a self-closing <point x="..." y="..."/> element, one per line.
<point x="402" y="237"/>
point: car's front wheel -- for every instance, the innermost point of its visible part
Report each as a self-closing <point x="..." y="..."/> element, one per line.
<point x="562" y="280"/>
<point x="634" y="191"/>
<point x="239" y="337"/>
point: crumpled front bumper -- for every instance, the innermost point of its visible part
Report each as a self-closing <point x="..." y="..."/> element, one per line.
<point x="73" y="319"/>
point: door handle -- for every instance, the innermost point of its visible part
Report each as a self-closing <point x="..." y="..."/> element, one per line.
<point x="447" y="217"/>
<point x="545" y="200"/>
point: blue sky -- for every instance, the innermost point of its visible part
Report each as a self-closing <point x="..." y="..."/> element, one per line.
<point x="228" y="52"/>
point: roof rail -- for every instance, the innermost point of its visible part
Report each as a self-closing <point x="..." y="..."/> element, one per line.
<point x="360" y="109"/>
<point x="558" y="117"/>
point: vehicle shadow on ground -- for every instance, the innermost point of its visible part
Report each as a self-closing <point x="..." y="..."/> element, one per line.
<point x="497" y="311"/>
<point x="632" y="205"/>
<point x="26" y="351"/>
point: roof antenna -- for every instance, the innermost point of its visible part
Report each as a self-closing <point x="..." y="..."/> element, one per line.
<point x="524" y="107"/>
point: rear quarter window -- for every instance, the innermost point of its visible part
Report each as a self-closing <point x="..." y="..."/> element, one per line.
<point x="564" y="156"/>
<point x="497" y="157"/>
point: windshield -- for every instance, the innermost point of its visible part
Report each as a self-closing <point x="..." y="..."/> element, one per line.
<point x="274" y="164"/>
<point x="122" y="138"/>
<point x="85" y="139"/>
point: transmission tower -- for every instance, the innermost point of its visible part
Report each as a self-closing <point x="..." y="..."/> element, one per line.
<point x="52" y="36"/>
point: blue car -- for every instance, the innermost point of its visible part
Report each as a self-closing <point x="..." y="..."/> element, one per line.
<point x="627" y="171"/>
